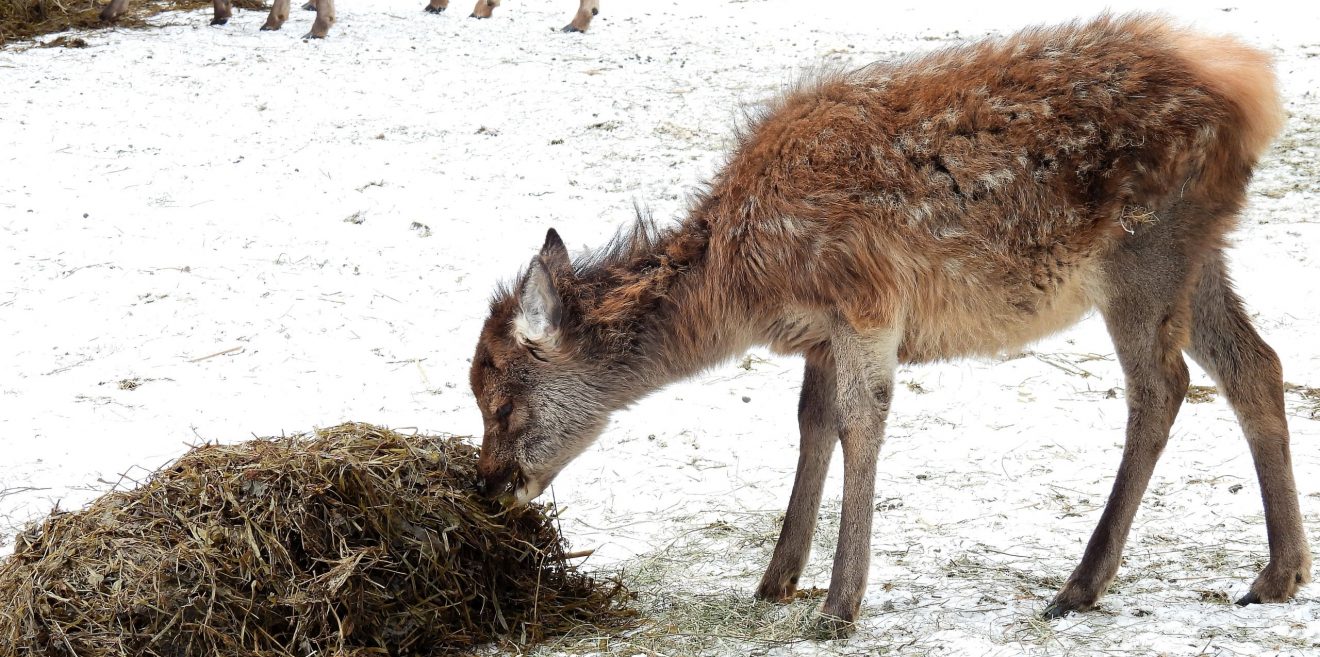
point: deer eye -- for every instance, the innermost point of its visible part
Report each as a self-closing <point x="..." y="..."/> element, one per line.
<point x="503" y="413"/>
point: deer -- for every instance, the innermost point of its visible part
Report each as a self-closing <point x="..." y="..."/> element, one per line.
<point x="957" y="204"/>
<point x="279" y="12"/>
<point x="587" y="9"/>
<point x="325" y="13"/>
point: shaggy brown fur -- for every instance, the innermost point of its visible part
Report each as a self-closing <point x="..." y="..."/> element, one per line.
<point x="587" y="9"/>
<point x="957" y="204"/>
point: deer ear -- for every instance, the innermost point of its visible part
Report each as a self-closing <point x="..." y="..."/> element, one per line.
<point x="554" y="254"/>
<point x="540" y="318"/>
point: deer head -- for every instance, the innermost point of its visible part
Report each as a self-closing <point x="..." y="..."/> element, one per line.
<point x="543" y="395"/>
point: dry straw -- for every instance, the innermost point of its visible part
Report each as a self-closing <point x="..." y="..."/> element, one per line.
<point x="355" y="540"/>
<point x="24" y="19"/>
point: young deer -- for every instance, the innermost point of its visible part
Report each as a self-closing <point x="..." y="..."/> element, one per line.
<point x="581" y="20"/>
<point x="958" y="204"/>
<point x="279" y="12"/>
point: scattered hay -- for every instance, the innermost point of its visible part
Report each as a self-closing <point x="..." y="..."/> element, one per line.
<point x="24" y="19"/>
<point x="1214" y="596"/>
<point x="65" y="42"/>
<point x="1136" y="215"/>
<point x="353" y="541"/>
<point x="692" y="624"/>
<point x="1200" y="394"/>
<point x="1310" y="399"/>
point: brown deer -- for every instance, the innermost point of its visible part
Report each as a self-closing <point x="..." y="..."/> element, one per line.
<point x="279" y="12"/>
<point x="581" y="20"/>
<point x="958" y="204"/>
<point x="325" y="13"/>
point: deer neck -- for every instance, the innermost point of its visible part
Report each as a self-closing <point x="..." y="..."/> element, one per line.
<point x="686" y="319"/>
<point x="699" y="325"/>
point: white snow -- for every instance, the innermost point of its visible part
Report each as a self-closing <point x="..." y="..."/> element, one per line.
<point x="175" y="206"/>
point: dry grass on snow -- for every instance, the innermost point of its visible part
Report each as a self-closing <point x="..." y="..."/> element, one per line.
<point x="25" y="19"/>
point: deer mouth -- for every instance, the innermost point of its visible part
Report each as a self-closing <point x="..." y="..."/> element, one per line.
<point x="529" y="486"/>
<point x="513" y="486"/>
<point x="500" y="484"/>
<point x="528" y="490"/>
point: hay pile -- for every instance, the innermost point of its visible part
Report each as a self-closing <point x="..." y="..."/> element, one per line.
<point x="353" y="541"/>
<point x="24" y="19"/>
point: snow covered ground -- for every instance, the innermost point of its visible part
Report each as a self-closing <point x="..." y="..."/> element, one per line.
<point x="214" y="233"/>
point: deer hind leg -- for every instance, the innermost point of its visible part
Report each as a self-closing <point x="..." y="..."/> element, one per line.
<point x="587" y="9"/>
<point x="224" y="10"/>
<point x="865" y="363"/>
<point x="279" y="12"/>
<point x="113" y="10"/>
<point x="437" y="6"/>
<point x="820" y="433"/>
<point x="484" y="8"/>
<point x="325" y="17"/>
<point x="1147" y="312"/>
<point x="1248" y="373"/>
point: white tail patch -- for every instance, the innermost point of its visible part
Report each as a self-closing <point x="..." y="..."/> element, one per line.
<point x="1242" y="74"/>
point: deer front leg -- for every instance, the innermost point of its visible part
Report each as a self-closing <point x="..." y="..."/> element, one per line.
<point x="865" y="362"/>
<point x="582" y="19"/>
<point x="820" y="433"/>
<point x="437" y="6"/>
<point x="113" y="10"/>
<point x="279" y="12"/>
<point x="484" y="8"/>
<point x="224" y="10"/>
<point x="325" y="17"/>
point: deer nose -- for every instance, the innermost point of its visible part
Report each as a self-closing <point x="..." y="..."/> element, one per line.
<point x="493" y="478"/>
<point x="490" y="486"/>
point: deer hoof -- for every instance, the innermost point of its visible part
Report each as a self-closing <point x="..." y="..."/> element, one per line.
<point x="775" y="592"/>
<point x="434" y="10"/>
<point x="474" y="15"/>
<point x="313" y="35"/>
<point x="108" y="14"/>
<point x="270" y="27"/>
<point x="309" y="7"/>
<point x="1079" y="593"/>
<point x="220" y="21"/>
<point x="838" y="618"/>
<point x="1067" y="601"/>
<point x="1276" y="585"/>
<point x="829" y="627"/>
<point x="569" y="29"/>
